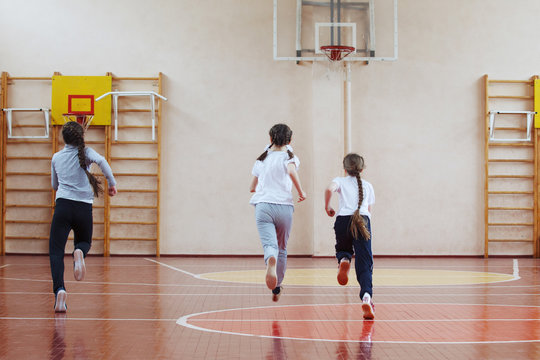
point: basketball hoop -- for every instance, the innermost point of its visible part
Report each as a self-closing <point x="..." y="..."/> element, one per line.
<point x="337" y="52"/>
<point x="83" y="118"/>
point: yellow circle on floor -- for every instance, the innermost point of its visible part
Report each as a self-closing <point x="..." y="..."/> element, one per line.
<point x="381" y="277"/>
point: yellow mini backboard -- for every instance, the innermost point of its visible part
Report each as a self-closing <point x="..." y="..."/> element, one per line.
<point x="77" y="95"/>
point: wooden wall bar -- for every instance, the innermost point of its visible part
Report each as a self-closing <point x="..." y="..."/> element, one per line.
<point x="511" y="172"/>
<point x="125" y="224"/>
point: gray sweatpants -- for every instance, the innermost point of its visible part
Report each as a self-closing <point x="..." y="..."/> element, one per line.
<point x="274" y="223"/>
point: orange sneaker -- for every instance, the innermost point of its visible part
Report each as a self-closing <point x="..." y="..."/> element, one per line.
<point x="343" y="272"/>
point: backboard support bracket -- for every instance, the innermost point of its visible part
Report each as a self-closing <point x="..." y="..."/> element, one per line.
<point x="151" y="94"/>
<point x="9" y="117"/>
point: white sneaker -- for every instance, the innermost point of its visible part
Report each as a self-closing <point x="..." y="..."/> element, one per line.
<point x="271" y="275"/>
<point x="60" y="303"/>
<point x="368" y="307"/>
<point x="79" y="269"/>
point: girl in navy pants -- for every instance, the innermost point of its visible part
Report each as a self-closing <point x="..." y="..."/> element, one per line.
<point x="353" y="228"/>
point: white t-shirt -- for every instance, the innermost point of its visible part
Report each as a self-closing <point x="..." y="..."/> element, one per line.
<point x="274" y="184"/>
<point x="348" y="196"/>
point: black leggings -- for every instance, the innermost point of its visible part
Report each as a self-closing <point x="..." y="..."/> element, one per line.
<point x="68" y="215"/>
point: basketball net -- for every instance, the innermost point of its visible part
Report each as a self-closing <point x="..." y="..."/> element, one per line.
<point x="84" y="119"/>
<point x="336" y="54"/>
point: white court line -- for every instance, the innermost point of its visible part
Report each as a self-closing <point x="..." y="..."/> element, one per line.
<point x="87" y="265"/>
<point x="79" y="319"/>
<point x="183" y="321"/>
<point x="357" y="320"/>
<point x="240" y="285"/>
<point x="516" y="269"/>
<point x="408" y="267"/>
<point x="119" y="283"/>
<point x="173" y="268"/>
<point x="467" y="275"/>
<point x="304" y="295"/>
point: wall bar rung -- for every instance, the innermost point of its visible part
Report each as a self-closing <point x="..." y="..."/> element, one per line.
<point x="29" y="78"/>
<point x="512" y="208"/>
<point x="115" y="78"/>
<point x="133" y="159"/>
<point x="510" y="224"/>
<point x="512" y="97"/>
<point x="139" y="190"/>
<point x="135" y="174"/>
<point x="511" y="160"/>
<point x="511" y="176"/>
<point x="510" y="192"/>
<point x="510" y="240"/>
<point x="133" y="207"/>
<point x="30" y="190"/>
<point x="133" y="223"/>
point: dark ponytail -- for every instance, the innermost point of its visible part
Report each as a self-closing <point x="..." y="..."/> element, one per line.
<point x="73" y="134"/>
<point x="353" y="164"/>
<point x="280" y="134"/>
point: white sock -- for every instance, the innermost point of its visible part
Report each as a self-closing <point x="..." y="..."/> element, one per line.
<point x="366" y="297"/>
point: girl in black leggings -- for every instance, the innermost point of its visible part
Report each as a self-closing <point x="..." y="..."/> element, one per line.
<point x="75" y="189"/>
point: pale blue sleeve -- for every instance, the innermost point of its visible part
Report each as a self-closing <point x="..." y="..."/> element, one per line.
<point x="93" y="157"/>
<point x="54" y="176"/>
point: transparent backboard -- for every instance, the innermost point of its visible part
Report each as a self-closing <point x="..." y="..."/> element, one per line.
<point x="301" y="27"/>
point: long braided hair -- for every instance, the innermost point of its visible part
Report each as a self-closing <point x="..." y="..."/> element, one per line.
<point x="73" y="134"/>
<point x="353" y="164"/>
<point x="280" y="134"/>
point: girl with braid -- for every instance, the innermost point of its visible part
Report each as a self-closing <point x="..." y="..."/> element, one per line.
<point x="353" y="227"/>
<point x="274" y="174"/>
<point x="75" y="189"/>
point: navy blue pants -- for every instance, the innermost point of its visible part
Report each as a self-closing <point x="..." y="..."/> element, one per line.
<point x="68" y="215"/>
<point x="347" y="245"/>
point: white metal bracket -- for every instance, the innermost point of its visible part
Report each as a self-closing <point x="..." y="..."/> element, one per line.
<point x="116" y="94"/>
<point x="530" y="118"/>
<point x="9" y="117"/>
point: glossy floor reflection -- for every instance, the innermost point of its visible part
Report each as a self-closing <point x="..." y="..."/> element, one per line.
<point x="170" y="308"/>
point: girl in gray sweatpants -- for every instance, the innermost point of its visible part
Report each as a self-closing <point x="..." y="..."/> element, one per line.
<point x="274" y="174"/>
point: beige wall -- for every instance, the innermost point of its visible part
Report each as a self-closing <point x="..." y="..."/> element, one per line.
<point x="417" y="121"/>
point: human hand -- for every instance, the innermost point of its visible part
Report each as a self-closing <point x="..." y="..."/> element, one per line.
<point x="302" y="196"/>
<point x="112" y="191"/>
<point x="331" y="212"/>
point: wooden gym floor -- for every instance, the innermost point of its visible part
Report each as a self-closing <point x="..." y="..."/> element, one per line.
<point x="219" y="308"/>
